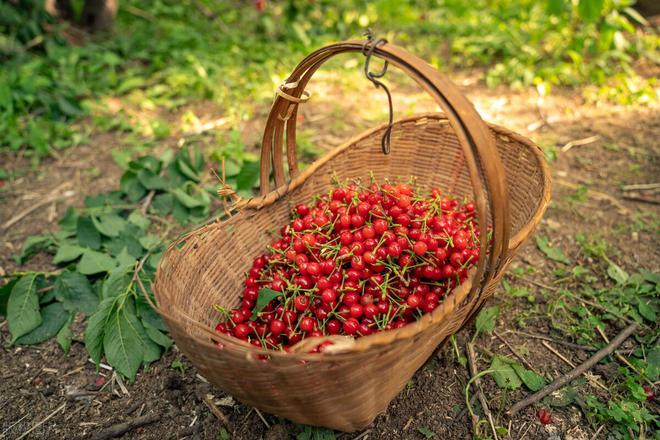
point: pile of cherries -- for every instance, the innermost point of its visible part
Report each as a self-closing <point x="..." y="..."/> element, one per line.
<point x="356" y="261"/>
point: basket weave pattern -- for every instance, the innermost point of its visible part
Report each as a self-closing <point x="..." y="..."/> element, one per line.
<point x="347" y="388"/>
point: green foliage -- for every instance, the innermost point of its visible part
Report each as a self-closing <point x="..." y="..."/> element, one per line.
<point x="178" y="55"/>
<point x="314" y="433"/>
<point x="552" y="252"/>
<point x="99" y="247"/>
<point x="426" y="432"/>
<point x="486" y="320"/>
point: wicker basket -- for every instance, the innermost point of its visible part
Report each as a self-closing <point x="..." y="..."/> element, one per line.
<point x="347" y="388"/>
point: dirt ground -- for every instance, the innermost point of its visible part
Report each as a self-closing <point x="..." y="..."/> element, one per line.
<point x="41" y="381"/>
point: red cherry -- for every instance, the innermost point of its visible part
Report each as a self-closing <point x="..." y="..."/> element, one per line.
<point x="351" y="326"/>
<point x="545" y="417"/>
<point x="420" y="247"/>
<point x="277" y="326"/>
<point x="307" y="324"/>
<point x="301" y="303"/>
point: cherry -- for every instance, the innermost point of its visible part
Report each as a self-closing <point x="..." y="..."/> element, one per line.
<point x="351" y="326"/>
<point x="650" y="393"/>
<point x="277" y="326"/>
<point x="420" y="247"/>
<point x="545" y="417"/>
<point x="301" y="303"/>
<point x="307" y="324"/>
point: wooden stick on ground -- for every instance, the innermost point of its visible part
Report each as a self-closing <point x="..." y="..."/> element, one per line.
<point x="576" y="372"/>
<point x="215" y="410"/>
<point x="124" y="427"/>
<point x="44" y="420"/>
<point x="472" y="362"/>
<point x="556" y="341"/>
<point x="54" y="196"/>
<point x="591" y="380"/>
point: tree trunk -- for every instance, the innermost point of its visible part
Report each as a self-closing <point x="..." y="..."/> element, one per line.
<point x="99" y="15"/>
<point x="60" y="9"/>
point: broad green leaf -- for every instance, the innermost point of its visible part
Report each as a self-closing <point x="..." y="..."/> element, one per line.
<point x="589" y="10"/>
<point x="88" y="236"/>
<point x="131" y="186"/>
<point x="162" y="204"/>
<point x="248" y="177"/>
<point x="617" y="274"/>
<point x="53" y="318"/>
<point x="149" y="315"/>
<point x="555" y="7"/>
<point x="23" y="307"/>
<point x="95" y="330"/>
<point x="118" y="282"/>
<point x="5" y="291"/>
<point x="122" y="342"/>
<point x="266" y="295"/>
<point x="32" y="245"/>
<point x="191" y="197"/>
<point x="69" y="220"/>
<point x="532" y="380"/>
<point x="127" y="239"/>
<point x="109" y="225"/>
<point x="152" y="181"/>
<point x="486" y="320"/>
<point x="139" y="220"/>
<point x="156" y="336"/>
<point x="150" y="241"/>
<point x="65" y="335"/>
<point x="93" y="262"/>
<point x="504" y="374"/>
<point x="125" y="259"/>
<point x="75" y="293"/>
<point x="67" y="252"/>
<point x="653" y="359"/>
<point x="651" y="277"/>
<point x="554" y="253"/>
<point x="121" y="157"/>
<point x="646" y="309"/>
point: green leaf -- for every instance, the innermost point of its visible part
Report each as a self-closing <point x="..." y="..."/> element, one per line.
<point x="123" y="342"/>
<point x="95" y="330"/>
<point x="32" y="245"/>
<point x="162" y="204"/>
<point x="653" y="359"/>
<point x="191" y="196"/>
<point x="589" y="10"/>
<point x="152" y="181"/>
<point x="504" y="374"/>
<point x="139" y="220"/>
<point x="646" y="310"/>
<point x="651" y="277"/>
<point x="67" y="252"/>
<point x="65" y="335"/>
<point x="75" y="293"/>
<point x="149" y="241"/>
<point x="248" y="177"/>
<point x="125" y="259"/>
<point x="617" y="274"/>
<point x="149" y="315"/>
<point x="156" y="336"/>
<point x="131" y="186"/>
<point x="69" y="220"/>
<point x="127" y="239"/>
<point x="93" y="262"/>
<point x="554" y="253"/>
<point x="53" y="318"/>
<point x="426" y="432"/>
<point x="109" y="225"/>
<point x="486" y="320"/>
<point x="118" y="282"/>
<point x="5" y="291"/>
<point x="555" y="7"/>
<point x="266" y="295"/>
<point x="88" y="236"/>
<point x="23" y="307"/>
<point x="532" y="380"/>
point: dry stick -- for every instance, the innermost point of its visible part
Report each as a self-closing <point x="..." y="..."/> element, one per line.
<point x="642" y="199"/>
<point x="576" y="372"/>
<point x="623" y="359"/>
<point x="515" y="353"/>
<point x="596" y="195"/>
<point x="122" y="428"/>
<point x="54" y="196"/>
<point x="579" y="142"/>
<point x="593" y="437"/>
<point x="262" y="418"/>
<point x="147" y="202"/>
<point x="216" y="412"/>
<point x="556" y="341"/>
<point x="472" y="362"/>
<point x="640" y="186"/>
<point x="59" y="408"/>
<point x="592" y="380"/>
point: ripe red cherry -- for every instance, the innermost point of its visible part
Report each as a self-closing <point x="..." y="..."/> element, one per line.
<point x="356" y="310"/>
<point x="328" y="296"/>
<point x="380" y="226"/>
<point x="414" y="301"/>
<point x="650" y="394"/>
<point x="301" y="303"/>
<point x="277" y="326"/>
<point x="545" y="417"/>
<point x="351" y="326"/>
<point x="307" y="324"/>
<point x="237" y="316"/>
<point x="420" y="247"/>
<point x="357" y="220"/>
<point x="370" y="310"/>
<point x="313" y="268"/>
<point x="241" y="331"/>
<point x="302" y="209"/>
<point x="333" y="326"/>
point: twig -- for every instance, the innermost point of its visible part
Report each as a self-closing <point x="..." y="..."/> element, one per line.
<point x="147" y="201"/>
<point x="44" y="420"/>
<point x="556" y="341"/>
<point x="642" y="200"/>
<point x="596" y="195"/>
<point x="54" y="196"/>
<point x="262" y="418"/>
<point x="585" y="366"/>
<point x="515" y="353"/>
<point x="623" y="359"/>
<point x="593" y="381"/>
<point x="215" y="410"/>
<point x="363" y="435"/>
<point x="579" y="142"/>
<point x="640" y="186"/>
<point x="124" y="427"/>
<point x="593" y="437"/>
<point x="2" y="435"/>
<point x="472" y="362"/>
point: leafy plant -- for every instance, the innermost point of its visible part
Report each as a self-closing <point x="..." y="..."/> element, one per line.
<point x="107" y="254"/>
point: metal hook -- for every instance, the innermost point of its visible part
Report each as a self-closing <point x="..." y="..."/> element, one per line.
<point x="367" y="50"/>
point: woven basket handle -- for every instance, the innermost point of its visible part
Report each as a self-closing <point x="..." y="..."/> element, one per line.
<point x="482" y="158"/>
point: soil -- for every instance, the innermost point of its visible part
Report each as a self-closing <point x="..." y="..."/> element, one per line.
<point x="41" y="381"/>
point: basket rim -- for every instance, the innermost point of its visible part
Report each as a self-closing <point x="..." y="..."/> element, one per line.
<point x="457" y="296"/>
